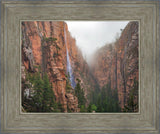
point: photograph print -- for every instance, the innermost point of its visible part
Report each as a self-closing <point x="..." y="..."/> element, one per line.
<point x="79" y="66"/>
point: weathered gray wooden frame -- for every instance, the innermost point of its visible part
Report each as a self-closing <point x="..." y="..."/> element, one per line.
<point x="146" y="120"/>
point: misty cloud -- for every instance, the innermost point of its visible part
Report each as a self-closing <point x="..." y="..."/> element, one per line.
<point x="91" y="35"/>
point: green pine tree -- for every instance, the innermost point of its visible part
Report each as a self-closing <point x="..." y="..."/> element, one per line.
<point x="48" y="95"/>
<point x="43" y="98"/>
<point x="38" y="92"/>
<point x="132" y="105"/>
<point x="80" y="94"/>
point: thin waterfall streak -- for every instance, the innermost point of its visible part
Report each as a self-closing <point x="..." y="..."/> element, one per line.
<point x="69" y="67"/>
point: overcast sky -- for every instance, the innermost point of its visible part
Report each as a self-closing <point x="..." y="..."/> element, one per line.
<point x="91" y="35"/>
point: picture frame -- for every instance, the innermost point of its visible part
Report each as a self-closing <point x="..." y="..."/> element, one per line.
<point x="145" y="121"/>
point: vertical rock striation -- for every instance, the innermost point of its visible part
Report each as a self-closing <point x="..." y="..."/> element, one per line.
<point x="43" y="47"/>
<point x="118" y="63"/>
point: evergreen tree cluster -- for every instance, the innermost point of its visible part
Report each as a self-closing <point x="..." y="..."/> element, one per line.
<point x="106" y="99"/>
<point x="80" y="95"/>
<point x="42" y="98"/>
<point x="132" y="105"/>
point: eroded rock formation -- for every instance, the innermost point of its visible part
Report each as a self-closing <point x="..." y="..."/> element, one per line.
<point x="44" y="47"/>
<point x="118" y="63"/>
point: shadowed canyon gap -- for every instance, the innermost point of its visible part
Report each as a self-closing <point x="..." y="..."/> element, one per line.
<point x="48" y="45"/>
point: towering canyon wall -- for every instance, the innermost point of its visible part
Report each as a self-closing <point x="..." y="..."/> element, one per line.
<point x="118" y="63"/>
<point x="44" y="46"/>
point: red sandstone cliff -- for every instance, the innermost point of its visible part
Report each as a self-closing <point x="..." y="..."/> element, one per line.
<point x="118" y="63"/>
<point x="38" y="49"/>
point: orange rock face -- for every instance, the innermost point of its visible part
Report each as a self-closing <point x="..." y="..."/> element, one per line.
<point x="49" y="55"/>
<point x="118" y="63"/>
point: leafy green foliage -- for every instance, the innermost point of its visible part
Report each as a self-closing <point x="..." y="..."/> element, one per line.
<point x="82" y="108"/>
<point x="42" y="98"/>
<point x="49" y="39"/>
<point x="91" y="108"/>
